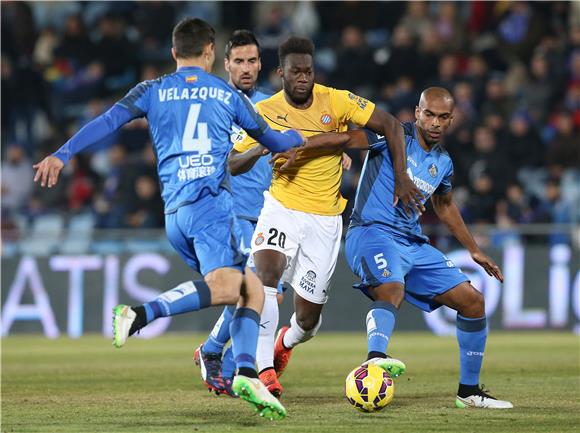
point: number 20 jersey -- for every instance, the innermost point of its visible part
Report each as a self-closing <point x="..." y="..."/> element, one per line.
<point x="190" y="114"/>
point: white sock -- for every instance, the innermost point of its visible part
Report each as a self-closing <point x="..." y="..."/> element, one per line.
<point x="268" y="325"/>
<point x="296" y="335"/>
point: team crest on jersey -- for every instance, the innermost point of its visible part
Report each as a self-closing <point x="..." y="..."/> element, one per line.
<point x="325" y="119"/>
<point x="433" y="170"/>
<point x="191" y="79"/>
<point x="259" y="239"/>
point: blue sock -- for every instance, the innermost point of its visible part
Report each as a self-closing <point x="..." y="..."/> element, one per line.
<point x="228" y="364"/>
<point x="244" y="330"/>
<point x="188" y="296"/>
<point x="471" y="336"/>
<point x="220" y="333"/>
<point x="380" y="323"/>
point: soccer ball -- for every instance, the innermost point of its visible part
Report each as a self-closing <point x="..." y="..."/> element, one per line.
<point x="369" y="388"/>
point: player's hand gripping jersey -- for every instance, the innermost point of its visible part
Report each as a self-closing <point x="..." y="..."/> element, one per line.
<point x="312" y="184"/>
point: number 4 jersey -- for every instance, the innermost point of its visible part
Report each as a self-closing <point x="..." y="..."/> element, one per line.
<point x="190" y="115"/>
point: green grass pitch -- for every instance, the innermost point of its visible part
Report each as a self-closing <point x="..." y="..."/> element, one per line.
<point x="86" y="385"/>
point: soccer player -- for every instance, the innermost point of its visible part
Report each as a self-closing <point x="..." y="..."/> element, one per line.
<point x="298" y="235"/>
<point x="190" y="115"/>
<point x="387" y="250"/>
<point x="242" y="62"/>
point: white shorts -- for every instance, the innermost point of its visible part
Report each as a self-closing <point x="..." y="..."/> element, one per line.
<point x="310" y="243"/>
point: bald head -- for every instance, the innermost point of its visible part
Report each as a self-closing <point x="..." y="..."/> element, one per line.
<point x="436" y="94"/>
<point x="434" y="114"/>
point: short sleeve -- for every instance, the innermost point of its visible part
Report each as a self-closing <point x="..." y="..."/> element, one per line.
<point x="351" y="108"/>
<point x="445" y="185"/>
<point x="241" y="140"/>
<point x="137" y="99"/>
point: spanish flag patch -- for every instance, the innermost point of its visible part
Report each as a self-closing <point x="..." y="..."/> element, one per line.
<point x="191" y="79"/>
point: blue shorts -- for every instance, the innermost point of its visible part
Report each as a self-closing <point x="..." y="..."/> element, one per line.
<point x="206" y="234"/>
<point x="378" y="256"/>
<point x="247" y="229"/>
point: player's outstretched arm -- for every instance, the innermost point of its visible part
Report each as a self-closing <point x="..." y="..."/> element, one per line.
<point x="48" y="170"/>
<point x="383" y="123"/>
<point x="242" y="162"/>
<point x="449" y="214"/>
<point x="332" y="141"/>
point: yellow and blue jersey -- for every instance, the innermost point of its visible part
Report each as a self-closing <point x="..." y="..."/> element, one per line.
<point x="248" y="188"/>
<point x="430" y="171"/>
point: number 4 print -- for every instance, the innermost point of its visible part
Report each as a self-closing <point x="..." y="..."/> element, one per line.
<point x="380" y="261"/>
<point x="202" y="143"/>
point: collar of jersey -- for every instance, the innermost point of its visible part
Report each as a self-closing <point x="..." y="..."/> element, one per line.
<point x="190" y="68"/>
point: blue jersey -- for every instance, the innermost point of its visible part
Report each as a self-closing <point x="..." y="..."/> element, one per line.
<point x="190" y="115"/>
<point x="430" y="171"/>
<point x="248" y="188"/>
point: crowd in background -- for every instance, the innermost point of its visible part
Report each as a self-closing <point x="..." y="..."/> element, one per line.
<point x="513" y="68"/>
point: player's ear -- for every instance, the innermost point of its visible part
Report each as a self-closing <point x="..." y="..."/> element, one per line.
<point x="259" y="64"/>
<point x="280" y="71"/>
<point x="173" y="54"/>
<point x="417" y="112"/>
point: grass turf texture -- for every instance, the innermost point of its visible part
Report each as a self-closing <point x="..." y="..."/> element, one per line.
<point x="86" y="385"/>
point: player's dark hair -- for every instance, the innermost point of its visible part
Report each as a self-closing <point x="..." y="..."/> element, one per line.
<point x="295" y="45"/>
<point x="241" y="38"/>
<point x="191" y="36"/>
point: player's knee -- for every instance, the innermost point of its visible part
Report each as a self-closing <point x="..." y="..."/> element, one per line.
<point x="307" y="322"/>
<point x="269" y="277"/>
<point x="475" y="305"/>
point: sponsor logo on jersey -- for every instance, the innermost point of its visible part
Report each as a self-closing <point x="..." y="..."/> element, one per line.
<point x="259" y="239"/>
<point x="325" y="119"/>
<point x="308" y="281"/>
<point x="284" y="118"/>
<point x="191" y="79"/>
<point x="450" y="264"/>
<point x="433" y="170"/>
<point x="386" y="273"/>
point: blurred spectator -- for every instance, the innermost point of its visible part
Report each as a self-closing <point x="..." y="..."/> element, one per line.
<point x="564" y="150"/>
<point x="17" y="177"/>
<point x="554" y="209"/>
<point x="402" y="54"/>
<point x="446" y="72"/>
<point x="145" y="208"/>
<point x="488" y="161"/>
<point x="76" y="49"/>
<point x="522" y="143"/>
<point x="354" y="63"/>
<point x="519" y="31"/>
<point x="109" y="203"/>
<point x="81" y="183"/>
<point x="272" y="28"/>
<point x="497" y="101"/>
<point x="447" y="26"/>
<point x="538" y="91"/>
<point x="417" y="19"/>
<point x="117" y="53"/>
